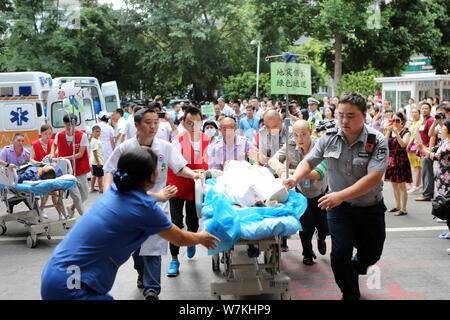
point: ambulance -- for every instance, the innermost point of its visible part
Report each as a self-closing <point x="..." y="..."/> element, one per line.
<point x="92" y="97"/>
<point x="23" y="98"/>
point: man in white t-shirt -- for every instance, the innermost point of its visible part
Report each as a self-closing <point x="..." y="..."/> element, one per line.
<point x="128" y="131"/>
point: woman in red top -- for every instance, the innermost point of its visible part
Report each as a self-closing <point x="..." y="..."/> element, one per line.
<point x="40" y="148"/>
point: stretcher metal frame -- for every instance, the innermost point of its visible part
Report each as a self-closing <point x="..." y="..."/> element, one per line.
<point x="263" y="277"/>
<point x="32" y="219"/>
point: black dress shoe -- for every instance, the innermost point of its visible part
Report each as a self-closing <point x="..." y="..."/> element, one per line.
<point x="308" y="261"/>
<point x="139" y="283"/>
<point x="322" y="246"/>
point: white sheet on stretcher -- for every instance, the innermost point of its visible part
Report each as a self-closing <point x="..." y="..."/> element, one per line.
<point x="244" y="184"/>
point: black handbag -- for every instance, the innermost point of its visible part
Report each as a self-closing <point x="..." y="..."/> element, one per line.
<point x="440" y="207"/>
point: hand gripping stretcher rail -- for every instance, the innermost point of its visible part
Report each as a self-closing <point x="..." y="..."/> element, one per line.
<point x="31" y="192"/>
<point x="246" y="271"/>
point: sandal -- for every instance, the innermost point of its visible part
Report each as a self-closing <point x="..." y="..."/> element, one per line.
<point x="393" y="210"/>
<point x="400" y="213"/>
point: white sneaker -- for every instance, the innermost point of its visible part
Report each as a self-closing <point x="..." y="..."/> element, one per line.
<point x="448" y="251"/>
<point x="441" y="221"/>
<point x="44" y="216"/>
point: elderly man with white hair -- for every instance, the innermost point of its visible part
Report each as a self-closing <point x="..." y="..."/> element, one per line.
<point x="225" y="108"/>
<point x="271" y="137"/>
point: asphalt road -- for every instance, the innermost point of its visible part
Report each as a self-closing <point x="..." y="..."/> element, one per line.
<point x="414" y="265"/>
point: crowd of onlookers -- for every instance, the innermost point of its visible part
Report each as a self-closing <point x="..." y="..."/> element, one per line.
<point x="417" y="135"/>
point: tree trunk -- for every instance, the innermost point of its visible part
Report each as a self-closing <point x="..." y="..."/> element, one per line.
<point x="337" y="61"/>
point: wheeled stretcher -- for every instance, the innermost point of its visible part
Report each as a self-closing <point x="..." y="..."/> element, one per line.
<point x="31" y="192"/>
<point x="250" y="242"/>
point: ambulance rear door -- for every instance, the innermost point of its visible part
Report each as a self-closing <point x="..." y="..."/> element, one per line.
<point x="111" y="96"/>
<point x="56" y="109"/>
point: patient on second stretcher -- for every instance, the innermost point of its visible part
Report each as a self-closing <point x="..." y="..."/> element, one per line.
<point x="39" y="171"/>
<point x="249" y="185"/>
<point x="36" y="172"/>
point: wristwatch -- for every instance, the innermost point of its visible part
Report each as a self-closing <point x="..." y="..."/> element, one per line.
<point x="7" y="165"/>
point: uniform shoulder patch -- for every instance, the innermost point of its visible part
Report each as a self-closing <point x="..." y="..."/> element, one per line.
<point x="381" y="154"/>
<point x="332" y="131"/>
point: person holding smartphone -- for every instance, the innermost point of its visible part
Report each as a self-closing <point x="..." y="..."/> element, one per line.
<point x="167" y="128"/>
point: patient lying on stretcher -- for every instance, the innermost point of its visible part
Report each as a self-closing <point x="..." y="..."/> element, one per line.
<point x="248" y="185"/>
<point x="36" y="172"/>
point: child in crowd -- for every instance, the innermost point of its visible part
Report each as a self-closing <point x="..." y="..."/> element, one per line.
<point x="97" y="159"/>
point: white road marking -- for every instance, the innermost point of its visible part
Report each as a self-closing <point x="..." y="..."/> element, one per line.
<point x="436" y="228"/>
<point x="5" y="239"/>
<point x="417" y="229"/>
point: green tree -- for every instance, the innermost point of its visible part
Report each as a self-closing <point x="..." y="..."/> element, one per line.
<point x="362" y="82"/>
<point x="191" y="42"/>
<point x="242" y="86"/>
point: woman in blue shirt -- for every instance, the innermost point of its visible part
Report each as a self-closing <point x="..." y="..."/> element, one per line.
<point x="85" y="263"/>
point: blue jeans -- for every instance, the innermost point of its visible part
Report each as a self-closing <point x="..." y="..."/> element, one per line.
<point x="149" y="268"/>
<point x="360" y="227"/>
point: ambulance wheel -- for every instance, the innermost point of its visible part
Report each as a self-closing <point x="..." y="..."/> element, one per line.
<point x="31" y="241"/>
<point x="2" y="228"/>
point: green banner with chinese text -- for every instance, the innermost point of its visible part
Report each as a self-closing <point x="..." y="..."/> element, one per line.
<point x="290" y="78"/>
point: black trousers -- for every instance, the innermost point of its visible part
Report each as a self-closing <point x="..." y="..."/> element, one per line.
<point x="312" y="218"/>
<point x="176" y="214"/>
<point x="355" y="227"/>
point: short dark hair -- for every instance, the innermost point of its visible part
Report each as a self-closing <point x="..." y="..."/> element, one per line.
<point x="69" y="117"/>
<point x="48" y="174"/>
<point x="134" y="167"/>
<point x="429" y="105"/>
<point x="154" y="105"/>
<point x="19" y="134"/>
<point x="140" y="114"/>
<point x="44" y="128"/>
<point x="119" y="111"/>
<point x="355" y="99"/>
<point x="192" y="111"/>
<point x="137" y="108"/>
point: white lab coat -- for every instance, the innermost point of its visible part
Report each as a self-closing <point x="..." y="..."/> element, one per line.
<point x="167" y="157"/>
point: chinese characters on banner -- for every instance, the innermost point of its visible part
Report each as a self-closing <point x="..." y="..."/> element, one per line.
<point x="290" y="78"/>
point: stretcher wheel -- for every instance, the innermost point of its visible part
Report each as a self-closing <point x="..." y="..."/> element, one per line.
<point x="215" y="262"/>
<point x="286" y="296"/>
<point x="2" y="228"/>
<point x="31" y="242"/>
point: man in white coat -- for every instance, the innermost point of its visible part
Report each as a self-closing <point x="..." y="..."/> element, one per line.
<point x="147" y="259"/>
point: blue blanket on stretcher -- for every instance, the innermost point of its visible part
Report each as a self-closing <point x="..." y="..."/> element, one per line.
<point x="45" y="186"/>
<point x="231" y="224"/>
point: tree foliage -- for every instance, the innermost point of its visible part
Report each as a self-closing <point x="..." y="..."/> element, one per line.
<point x="362" y="82"/>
